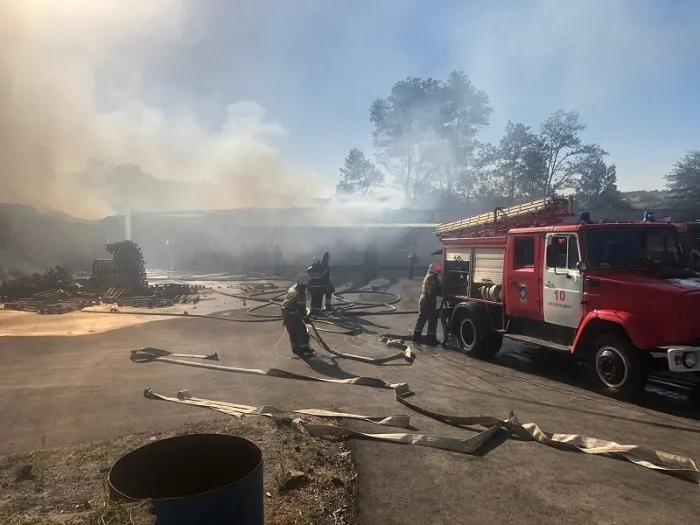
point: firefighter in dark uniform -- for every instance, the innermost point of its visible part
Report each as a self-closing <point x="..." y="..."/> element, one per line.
<point x="412" y="260"/>
<point x="294" y="317"/>
<point x="277" y="260"/>
<point x="316" y="287"/>
<point x="428" y="310"/>
<point x="328" y="288"/>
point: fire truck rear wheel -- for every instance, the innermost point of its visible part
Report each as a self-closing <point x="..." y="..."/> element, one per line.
<point x="617" y="369"/>
<point x="473" y="333"/>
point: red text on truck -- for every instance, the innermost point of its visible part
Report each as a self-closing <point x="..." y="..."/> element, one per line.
<point x="615" y="294"/>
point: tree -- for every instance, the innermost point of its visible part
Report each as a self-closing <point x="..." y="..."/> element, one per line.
<point x="464" y="112"/>
<point x="424" y="131"/>
<point x="566" y="156"/>
<point x="358" y="176"/>
<point x="597" y="188"/>
<point x="683" y="182"/>
<point x="520" y="164"/>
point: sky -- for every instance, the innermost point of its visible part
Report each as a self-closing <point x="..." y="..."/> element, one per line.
<point x="262" y="99"/>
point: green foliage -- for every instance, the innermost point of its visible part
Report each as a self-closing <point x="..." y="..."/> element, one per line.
<point x="359" y="176"/>
<point x="566" y="157"/>
<point x="520" y="164"/>
<point x="683" y="182"/>
<point x="425" y="132"/>
<point x="426" y="139"/>
<point x="597" y="188"/>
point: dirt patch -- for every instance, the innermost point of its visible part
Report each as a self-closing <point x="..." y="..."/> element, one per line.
<point x="83" y="322"/>
<point x="24" y="324"/>
<point x="307" y="480"/>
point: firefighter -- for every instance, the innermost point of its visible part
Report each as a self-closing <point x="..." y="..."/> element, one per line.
<point x="328" y="288"/>
<point x="412" y="260"/>
<point x="277" y="259"/>
<point x="316" y="288"/>
<point x="427" y="310"/>
<point x="371" y="264"/>
<point x="294" y="317"/>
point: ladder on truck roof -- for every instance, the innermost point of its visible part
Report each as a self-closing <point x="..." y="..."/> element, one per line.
<point x="541" y="212"/>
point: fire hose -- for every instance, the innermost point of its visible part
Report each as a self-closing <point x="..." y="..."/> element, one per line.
<point x="407" y="354"/>
<point x="678" y="466"/>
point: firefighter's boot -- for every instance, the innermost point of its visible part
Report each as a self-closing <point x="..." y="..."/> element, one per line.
<point x="431" y="340"/>
<point x="417" y="338"/>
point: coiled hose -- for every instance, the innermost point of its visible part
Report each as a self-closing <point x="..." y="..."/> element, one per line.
<point x="337" y="318"/>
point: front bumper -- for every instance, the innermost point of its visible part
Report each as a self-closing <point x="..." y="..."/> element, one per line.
<point x="678" y="358"/>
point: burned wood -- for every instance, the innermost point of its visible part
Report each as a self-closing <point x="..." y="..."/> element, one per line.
<point x="120" y="280"/>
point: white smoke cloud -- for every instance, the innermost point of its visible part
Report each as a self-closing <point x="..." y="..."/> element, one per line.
<point x="75" y="79"/>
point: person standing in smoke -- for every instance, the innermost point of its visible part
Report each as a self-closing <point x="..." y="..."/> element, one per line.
<point x="277" y="260"/>
<point x="371" y="261"/>
<point x="316" y="287"/>
<point x="294" y="317"/>
<point x="427" y="309"/>
<point x="247" y="263"/>
<point x="412" y="261"/>
<point x="326" y="280"/>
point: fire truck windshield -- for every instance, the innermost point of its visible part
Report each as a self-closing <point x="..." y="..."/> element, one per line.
<point x="626" y="247"/>
<point x="695" y="248"/>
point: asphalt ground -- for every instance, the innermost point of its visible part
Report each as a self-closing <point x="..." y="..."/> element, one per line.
<point x="76" y="389"/>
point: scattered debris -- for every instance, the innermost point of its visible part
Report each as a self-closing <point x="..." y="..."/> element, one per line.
<point x="292" y="479"/>
<point x="71" y="490"/>
<point x="24" y="473"/>
<point x="120" y="280"/>
<point x="394" y="341"/>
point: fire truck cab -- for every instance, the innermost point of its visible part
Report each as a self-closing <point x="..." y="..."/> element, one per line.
<point x="616" y="294"/>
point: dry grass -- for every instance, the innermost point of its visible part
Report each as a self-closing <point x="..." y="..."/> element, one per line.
<point x="67" y="486"/>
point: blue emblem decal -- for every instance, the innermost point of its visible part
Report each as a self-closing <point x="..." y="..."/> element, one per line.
<point x="523" y="292"/>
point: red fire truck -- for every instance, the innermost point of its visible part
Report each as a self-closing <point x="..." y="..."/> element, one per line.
<point x="618" y="295"/>
<point x="690" y="241"/>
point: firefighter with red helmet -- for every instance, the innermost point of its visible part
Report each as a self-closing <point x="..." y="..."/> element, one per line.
<point x="428" y="310"/>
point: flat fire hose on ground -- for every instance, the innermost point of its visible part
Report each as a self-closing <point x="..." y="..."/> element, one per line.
<point x="232" y="409"/>
<point x="465" y="446"/>
<point x="678" y="466"/>
<point x="407" y="354"/>
<point x="146" y="355"/>
<point x="673" y="464"/>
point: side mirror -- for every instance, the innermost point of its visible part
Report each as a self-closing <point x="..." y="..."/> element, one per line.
<point x="581" y="266"/>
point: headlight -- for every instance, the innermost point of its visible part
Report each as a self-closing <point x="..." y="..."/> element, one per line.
<point x="690" y="359"/>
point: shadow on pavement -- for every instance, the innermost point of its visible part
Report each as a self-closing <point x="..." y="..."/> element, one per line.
<point x="672" y="396"/>
<point x="327" y="366"/>
<point x="569" y="372"/>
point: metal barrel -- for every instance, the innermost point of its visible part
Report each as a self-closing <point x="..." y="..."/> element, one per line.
<point x="198" y="479"/>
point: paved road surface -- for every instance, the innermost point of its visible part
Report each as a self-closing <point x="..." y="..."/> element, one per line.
<point x="83" y="388"/>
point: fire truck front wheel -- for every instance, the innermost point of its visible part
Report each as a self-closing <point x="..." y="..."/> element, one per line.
<point x="617" y="368"/>
<point x="474" y="335"/>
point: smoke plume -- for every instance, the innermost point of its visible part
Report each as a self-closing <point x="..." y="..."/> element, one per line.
<point x="79" y="131"/>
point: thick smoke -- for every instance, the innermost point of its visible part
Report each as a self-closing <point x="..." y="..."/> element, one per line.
<point x="79" y="131"/>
